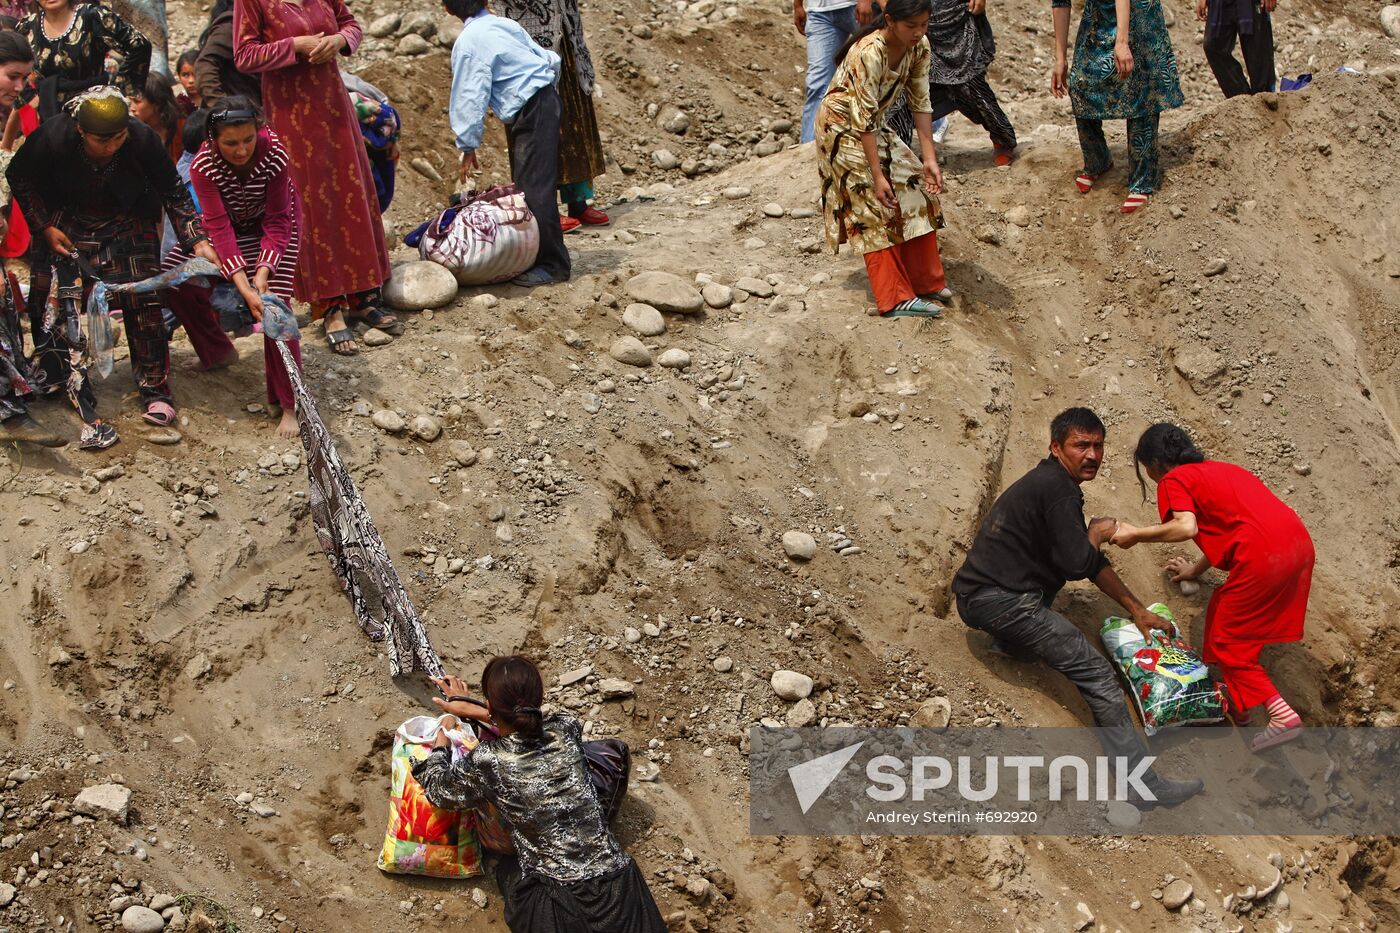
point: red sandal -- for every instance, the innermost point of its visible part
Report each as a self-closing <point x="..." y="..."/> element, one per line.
<point x="1134" y="202"/>
<point x="1084" y="181"/>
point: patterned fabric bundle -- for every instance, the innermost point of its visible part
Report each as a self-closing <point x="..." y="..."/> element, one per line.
<point x="1169" y="683"/>
<point x="422" y="839"/>
<point x="492" y="237"/>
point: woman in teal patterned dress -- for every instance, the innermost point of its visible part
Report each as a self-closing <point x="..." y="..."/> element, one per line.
<point x="1124" y="68"/>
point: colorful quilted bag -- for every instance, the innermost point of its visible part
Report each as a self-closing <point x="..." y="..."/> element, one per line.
<point x="1169" y="683"/>
<point x="422" y="839"/>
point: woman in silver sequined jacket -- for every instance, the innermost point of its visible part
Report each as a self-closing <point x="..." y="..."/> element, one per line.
<point x="570" y="873"/>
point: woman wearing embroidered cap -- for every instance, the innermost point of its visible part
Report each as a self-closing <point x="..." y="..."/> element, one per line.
<point x="242" y="176"/>
<point x="571" y="873"/>
<point x="94" y="186"/>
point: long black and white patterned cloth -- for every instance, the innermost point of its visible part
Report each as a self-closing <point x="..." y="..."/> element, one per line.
<point x="352" y="544"/>
<point x="550" y="23"/>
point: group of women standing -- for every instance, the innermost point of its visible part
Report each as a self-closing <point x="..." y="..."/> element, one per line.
<point x="891" y="83"/>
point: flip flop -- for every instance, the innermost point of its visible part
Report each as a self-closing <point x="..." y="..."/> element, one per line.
<point x="336" y="340"/>
<point x="915" y="307"/>
<point x="1133" y="202"/>
<point x="1084" y="181"/>
<point x="160" y="414"/>
<point x="379" y="319"/>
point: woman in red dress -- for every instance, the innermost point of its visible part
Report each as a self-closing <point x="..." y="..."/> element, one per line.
<point x="343" y="262"/>
<point x="1244" y="529"/>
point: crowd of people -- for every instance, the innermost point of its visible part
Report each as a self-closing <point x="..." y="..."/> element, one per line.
<point x="262" y="157"/>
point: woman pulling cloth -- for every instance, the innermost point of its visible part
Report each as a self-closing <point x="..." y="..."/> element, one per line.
<point x="242" y="176"/>
<point x="93" y="185"/>
<point x="1244" y="529"/>
<point x="571" y="873"/>
<point x="875" y="194"/>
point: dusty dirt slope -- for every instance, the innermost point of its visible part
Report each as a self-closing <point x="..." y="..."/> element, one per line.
<point x="169" y="623"/>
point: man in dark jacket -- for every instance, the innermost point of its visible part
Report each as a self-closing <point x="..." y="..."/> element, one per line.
<point x="1031" y="543"/>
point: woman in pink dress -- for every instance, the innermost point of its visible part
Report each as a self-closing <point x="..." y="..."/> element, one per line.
<point x="293" y="45"/>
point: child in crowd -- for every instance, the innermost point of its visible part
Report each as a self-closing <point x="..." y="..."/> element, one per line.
<point x="191" y="99"/>
<point x="571" y="873"/>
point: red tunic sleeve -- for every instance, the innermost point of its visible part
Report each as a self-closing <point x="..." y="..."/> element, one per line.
<point x="1173" y="496"/>
<point x="349" y="26"/>
<point x="252" y="53"/>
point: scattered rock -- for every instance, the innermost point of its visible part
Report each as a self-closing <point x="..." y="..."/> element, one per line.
<point x="1123" y="815"/>
<point x="1390" y="20"/>
<point x="799" y="545"/>
<point x="374" y="337"/>
<point x="631" y="635"/>
<point x="447" y="34"/>
<point x="644" y="320"/>
<point x="665" y="292"/>
<point x="1083" y="916"/>
<point x="426" y="428"/>
<point x="480" y="899"/>
<point x="1217" y="267"/>
<point x="569" y="678"/>
<point x="79" y="547"/>
<point x="1020" y="215"/>
<point x="717" y="295"/>
<point x="383" y="26"/>
<point x="109" y="801"/>
<point x="167" y="438"/>
<point x="198" y="666"/>
<point x="462" y="452"/>
<point x="791" y="686"/>
<point x="138" y="919"/>
<point x="1200" y="366"/>
<point x="615" y="688"/>
<point x="735" y="193"/>
<point x="801" y="714"/>
<point x="722" y="664"/>
<point x="642" y="31"/>
<point x="665" y="159"/>
<point x="425" y="168"/>
<point x="631" y="351"/>
<point x="107" y="474"/>
<point x="413" y="44"/>
<point x="1177" y="894"/>
<point x="415" y="286"/>
<point x="773" y="209"/>
<point x="1302" y="469"/>
<point x="756" y="287"/>
<point x="7" y="894"/>
<point x="1189" y="587"/>
<point x="933" y="713"/>
<point x="674" y="358"/>
<point x="390" y="421"/>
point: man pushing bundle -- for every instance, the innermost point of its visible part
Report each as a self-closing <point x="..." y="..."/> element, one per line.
<point x="1031" y="543"/>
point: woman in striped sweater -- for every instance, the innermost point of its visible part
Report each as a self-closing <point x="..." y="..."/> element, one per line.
<point x="243" y="180"/>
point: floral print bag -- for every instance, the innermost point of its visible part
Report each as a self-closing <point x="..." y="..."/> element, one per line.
<point x="422" y="839"/>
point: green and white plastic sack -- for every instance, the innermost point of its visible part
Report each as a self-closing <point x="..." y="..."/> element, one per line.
<point x="1169" y="683"/>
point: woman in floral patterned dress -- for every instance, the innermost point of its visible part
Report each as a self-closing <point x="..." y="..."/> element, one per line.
<point x="71" y="42"/>
<point x="876" y="194"/>
<point x="1124" y="68"/>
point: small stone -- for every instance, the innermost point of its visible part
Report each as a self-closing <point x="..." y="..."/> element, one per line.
<point x="735" y="193"/>
<point x="374" y="337"/>
<point x="615" y="688"/>
<point x="426" y="428"/>
<point x="799" y="545"/>
<point x="665" y="159"/>
<point x="717" y="295"/>
<point x="631" y="635"/>
<point x="568" y="678"/>
<point x="1124" y="815"/>
<point x="773" y="209"/>
<point x="934" y="713"/>
<point x="415" y="286"/>
<point x="989" y="235"/>
<point x="674" y="358"/>
<point x="78" y="547"/>
<point x="167" y="438"/>
<point x="802" y="213"/>
<point x="801" y="715"/>
<point x="258" y="808"/>
<point x="631" y="351"/>
<point x="413" y="44"/>
<point x="246" y="798"/>
<point x="651" y="630"/>
<point x="390" y="421"/>
<point x="198" y="666"/>
<point x="447" y="33"/>
<point x="1390" y="20"/>
<point x="110" y="801"/>
<point x="384" y="26"/>
<point x="485" y="301"/>
<point x="1302" y="469"/>
<point x="462" y="452"/>
<point x="665" y="292"/>
<point x="107" y="474"/>
<point x="7" y="894"/>
<point x="161" y="902"/>
<point x="1217" y="267"/>
<point x="1189" y="587"/>
<point x="756" y="287"/>
<point x="644" y="320"/>
<point x="425" y="168"/>
<point x="1177" y="894"/>
<point x="480" y="899"/>
<point x="642" y="31"/>
<point x="1083" y="916"/>
<point x="138" y="919"/>
<point x="791" y="686"/>
<point x="722" y="664"/>
<point x="1020" y="215"/>
<point x="1135" y="904"/>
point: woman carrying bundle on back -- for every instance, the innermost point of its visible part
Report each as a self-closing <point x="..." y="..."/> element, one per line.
<point x="1244" y="529"/>
<point x="244" y="184"/>
<point x="876" y="194"/>
<point x="571" y="875"/>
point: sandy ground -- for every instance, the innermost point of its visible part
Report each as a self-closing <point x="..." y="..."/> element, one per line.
<point x="171" y="625"/>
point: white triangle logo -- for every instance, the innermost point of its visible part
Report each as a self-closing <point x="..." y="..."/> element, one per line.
<point x="811" y="778"/>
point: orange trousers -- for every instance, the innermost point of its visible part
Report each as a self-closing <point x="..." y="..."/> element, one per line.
<point x="905" y="270"/>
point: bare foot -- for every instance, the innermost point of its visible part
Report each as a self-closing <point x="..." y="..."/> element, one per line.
<point x="288" y="427"/>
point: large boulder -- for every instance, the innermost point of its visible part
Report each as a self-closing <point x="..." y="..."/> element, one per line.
<point x="416" y="286"/>
<point x="665" y="292"/>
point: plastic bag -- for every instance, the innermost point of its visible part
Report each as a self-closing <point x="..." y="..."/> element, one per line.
<point x="492" y="237"/>
<point x="100" y="338"/>
<point x="609" y="760"/>
<point x="1169" y="683"/>
<point x="422" y="839"/>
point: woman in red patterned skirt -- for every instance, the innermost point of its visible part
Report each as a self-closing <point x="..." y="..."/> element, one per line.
<point x="293" y="46"/>
<point x="1244" y="529"/>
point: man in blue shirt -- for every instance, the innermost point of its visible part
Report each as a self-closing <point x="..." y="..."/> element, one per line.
<point x="497" y="67"/>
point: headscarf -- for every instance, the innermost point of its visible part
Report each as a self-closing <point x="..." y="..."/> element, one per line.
<point x="101" y="110"/>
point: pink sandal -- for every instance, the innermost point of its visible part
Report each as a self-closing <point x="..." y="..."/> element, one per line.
<point x="160" y="414"/>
